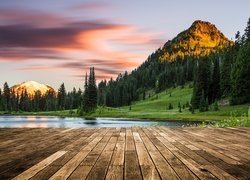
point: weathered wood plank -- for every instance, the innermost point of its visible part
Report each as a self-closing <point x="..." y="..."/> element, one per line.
<point x="38" y="167"/>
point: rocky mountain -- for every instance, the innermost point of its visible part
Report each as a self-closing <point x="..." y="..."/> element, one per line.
<point x="31" y="87"/>
<point x="200" y="39"/>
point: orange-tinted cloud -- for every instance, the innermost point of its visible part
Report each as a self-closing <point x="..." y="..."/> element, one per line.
<point x="72" y="44"/>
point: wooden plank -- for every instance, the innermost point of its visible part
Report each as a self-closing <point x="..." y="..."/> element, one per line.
<point x="116" y="170"/>
<point x="38" y="167"/>
<point x="100" y="168"/>
<point x="163" y="167"/>
<point x="132" y="167"/>
<point x="147" y="166"/>
<point x="33" y="154"/>
<point x="70" y="166"/>
<point x="73" y="149"/>
<point x="88" y="162"/>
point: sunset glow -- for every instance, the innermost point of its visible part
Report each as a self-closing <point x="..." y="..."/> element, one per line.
<point x="40" y="40"/>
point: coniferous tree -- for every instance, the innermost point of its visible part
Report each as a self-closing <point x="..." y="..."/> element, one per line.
<point x="225" y="74"/>
<point x="6" y="97"/>
<point x="50" y="101"/>
<point x="24" y="101"/>
<point x="92" y="91"/>
<point x="14" y="100"/>
<point x="215" y="82"/>
<point x="202" y="105"/>
<point x="85" y="107"/>
<point x="201" y="82"/>
<point x="61" y="97"/>
<point x="247" y="31"/>
<point x="1" y="101"/>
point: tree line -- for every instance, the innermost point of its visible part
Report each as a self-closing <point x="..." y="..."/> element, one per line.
<point x="85" y="101"/>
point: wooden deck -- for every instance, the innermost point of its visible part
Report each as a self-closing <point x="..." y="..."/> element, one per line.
<point x="125" y="153"/>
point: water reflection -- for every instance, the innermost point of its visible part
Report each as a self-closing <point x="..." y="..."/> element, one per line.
<point x="65" y="122"/>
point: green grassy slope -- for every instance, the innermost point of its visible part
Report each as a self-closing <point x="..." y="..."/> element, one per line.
<point x="156" y="107"/>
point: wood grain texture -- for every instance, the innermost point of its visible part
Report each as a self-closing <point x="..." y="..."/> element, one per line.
<point x="125" y="153"/>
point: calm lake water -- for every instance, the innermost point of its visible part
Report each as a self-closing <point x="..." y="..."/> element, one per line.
<point x="59" y="122"/>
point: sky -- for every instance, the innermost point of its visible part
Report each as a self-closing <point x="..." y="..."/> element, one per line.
<point x="52" y="42"/>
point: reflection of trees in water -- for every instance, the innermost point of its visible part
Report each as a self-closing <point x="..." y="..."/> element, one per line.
<point x="90" y="122"/>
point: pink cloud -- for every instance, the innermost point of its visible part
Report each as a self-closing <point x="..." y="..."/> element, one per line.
<point x="41" y="36"/>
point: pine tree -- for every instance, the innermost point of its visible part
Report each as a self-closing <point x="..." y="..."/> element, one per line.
<point x="170" y="106"/>
<point x="24" y="101"/>
<point x="85" y="105"/>
<point x="61" y="97"/>
<point x="179" y="104"/>
<point x="180" y="109"/>
<point x="225" y="74"/>
<point x="202" y="106"/>
<point x="202" y="82"/>
<point x="247" y="31"/>
<point x="1" y="101"/>
<point x="6" y="97"/>
<point x="92" y="91"/>
<point x="215" y="82"/>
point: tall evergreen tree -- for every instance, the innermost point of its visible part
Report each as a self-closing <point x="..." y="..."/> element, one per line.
<point x="24" y="101"/>
<point x="215" y="82"/>
<point x="1" y="101"/>
<point x="92" y="91"/>
<point x="61" y="97"/>
<point x="6" y="97"/>
<point x="102" y="93"/>
<point x="50" y="101"/>
<point x="85" y="107"/>
<point x="202" y="82"/>
<point x="247" y="31"/>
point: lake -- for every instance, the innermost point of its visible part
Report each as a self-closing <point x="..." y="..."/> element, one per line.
<point x="71" y="122"/>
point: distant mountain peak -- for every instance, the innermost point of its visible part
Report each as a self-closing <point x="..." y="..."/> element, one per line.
<point x="200" y="39"/>
<point x="31" y="87"/>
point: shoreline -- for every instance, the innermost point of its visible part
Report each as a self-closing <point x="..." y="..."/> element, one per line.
<point x="194" y="117"/>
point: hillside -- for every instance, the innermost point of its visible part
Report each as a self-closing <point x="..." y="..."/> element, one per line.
<point x="170" y="66"/>
<point x="157" y="107"/>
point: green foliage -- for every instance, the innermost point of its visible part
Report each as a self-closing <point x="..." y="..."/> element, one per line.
<point x="202" y="105"/>
<point x="6" y="97"/>
<point x="61" y="97"/>
<point x="170" y="106"/>
<point x="215" y="106"/>
<point x="90" y="94"/>
<point x="234" y="121"/>
<point x="241" y="76"/>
